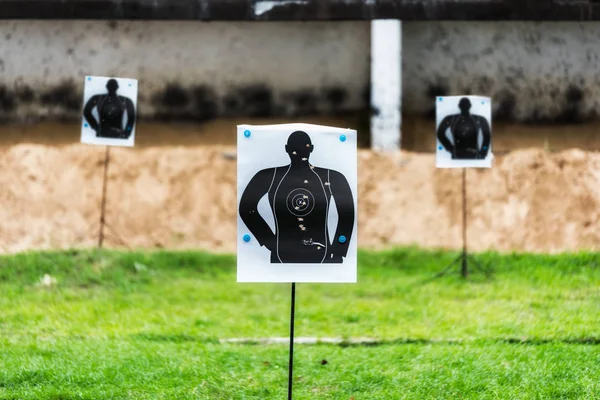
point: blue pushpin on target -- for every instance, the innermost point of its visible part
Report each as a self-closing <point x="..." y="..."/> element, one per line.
<point x="342" y="239"/>
<point x="343" y="138"/>
<point x="246" y="238"/>
<point x="247" y="133"/>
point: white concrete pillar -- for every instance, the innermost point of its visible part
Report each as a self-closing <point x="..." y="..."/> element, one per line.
<point x="386" y="84"/>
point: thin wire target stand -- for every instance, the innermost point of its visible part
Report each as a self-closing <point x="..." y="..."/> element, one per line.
<point x="464" y="258"/>
<point x="103" y="225"/>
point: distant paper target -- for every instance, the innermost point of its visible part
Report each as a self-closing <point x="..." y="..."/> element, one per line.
<point x="109" y="111"/>
<point x="463" y="132"/>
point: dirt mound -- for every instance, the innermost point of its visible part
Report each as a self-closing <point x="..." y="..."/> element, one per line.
<point x="185" y="197"/>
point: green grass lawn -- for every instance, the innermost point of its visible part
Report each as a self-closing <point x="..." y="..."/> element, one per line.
<point x="146" y="325"/>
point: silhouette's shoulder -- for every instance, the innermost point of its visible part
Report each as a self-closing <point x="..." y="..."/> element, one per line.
<point x="266" y="171"/>
<point x="280" y="170"/>
<point x="448" y="118"/>
<point x="320" y="171"/>
<point x="326" y="174"/>
<point x="333" y="174"/>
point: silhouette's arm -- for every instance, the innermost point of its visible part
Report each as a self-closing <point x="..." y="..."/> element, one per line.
<point x="485" y="130"/>
<point x="441" y="134"/>
<point x="256" y="189"/>
<point x="87" y="112"/>
<point x="130" y="115"/>
<point x="342" y="194"/>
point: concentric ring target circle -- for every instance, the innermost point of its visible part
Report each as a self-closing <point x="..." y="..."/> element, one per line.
<point x="300" y="202"/>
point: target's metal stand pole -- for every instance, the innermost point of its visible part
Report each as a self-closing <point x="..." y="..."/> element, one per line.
<point x="291" y="364"/>
<point x="464" y="256"/>
<point x="464" y="268"/>
<point x="103" y="205"/>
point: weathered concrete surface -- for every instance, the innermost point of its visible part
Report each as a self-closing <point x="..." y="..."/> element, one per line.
<point x="186" y="69"/>
<point x="294" y="10"/>
<point x="538" y="72"/>
<point x="546" y="71"/>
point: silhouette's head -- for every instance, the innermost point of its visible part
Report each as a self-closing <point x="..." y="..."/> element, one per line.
<point x="112" y="86"/>
<point x="465" y="105"/>
<point x="299" y="146"/>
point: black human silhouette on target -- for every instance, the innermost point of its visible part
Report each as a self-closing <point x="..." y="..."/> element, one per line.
<point x="300" y="197"/>
<point x="111" y="110"/>
<point x="465" y="128"/>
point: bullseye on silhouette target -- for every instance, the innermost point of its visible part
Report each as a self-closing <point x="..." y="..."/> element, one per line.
<point x="300" y="202"/>
<point x="109" y="111"/>
<point x="463" y="132"/>
<point x="297" y="188"/>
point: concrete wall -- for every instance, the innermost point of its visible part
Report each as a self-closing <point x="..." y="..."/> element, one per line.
<point x="187" y="69"/>
<point x="533" y="71"/>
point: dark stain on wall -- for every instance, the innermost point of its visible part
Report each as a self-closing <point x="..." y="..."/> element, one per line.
<point x="485" y="85"/>
<point x="336" y="96"/>
<point x="63" y="95"/>
<point x="374" y="111"/>
<point x="434" y="90"/>
<point x="25" y="94"/>
<point x="258" y="100"/>
<point x="574" y="95"/>
<point x="201" y="102"/>
<point x="174" y="96"/>
<point x="305" y="102"/>
<point x="366" y="94"/>
<point x="506" y="106"/>
<point x="571" y="112"/>
<point x="370" y="110"/>
<point x="205" y="103"/>
<point x="252" y="101"/>
<point x="7" y="100"/>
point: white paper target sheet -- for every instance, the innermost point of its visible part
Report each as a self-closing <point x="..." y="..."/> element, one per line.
<point x="297" y="203"/>
<point x="463" y="132"/>
<point x="109" y="111"/>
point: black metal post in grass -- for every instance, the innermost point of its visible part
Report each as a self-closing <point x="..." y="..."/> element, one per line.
<point x="464" y="256"/>
<point x="464" y="271"/>
<point x="103" y="204"/>
<point x="291" y="362"/>
<point x="103" y="224"/>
